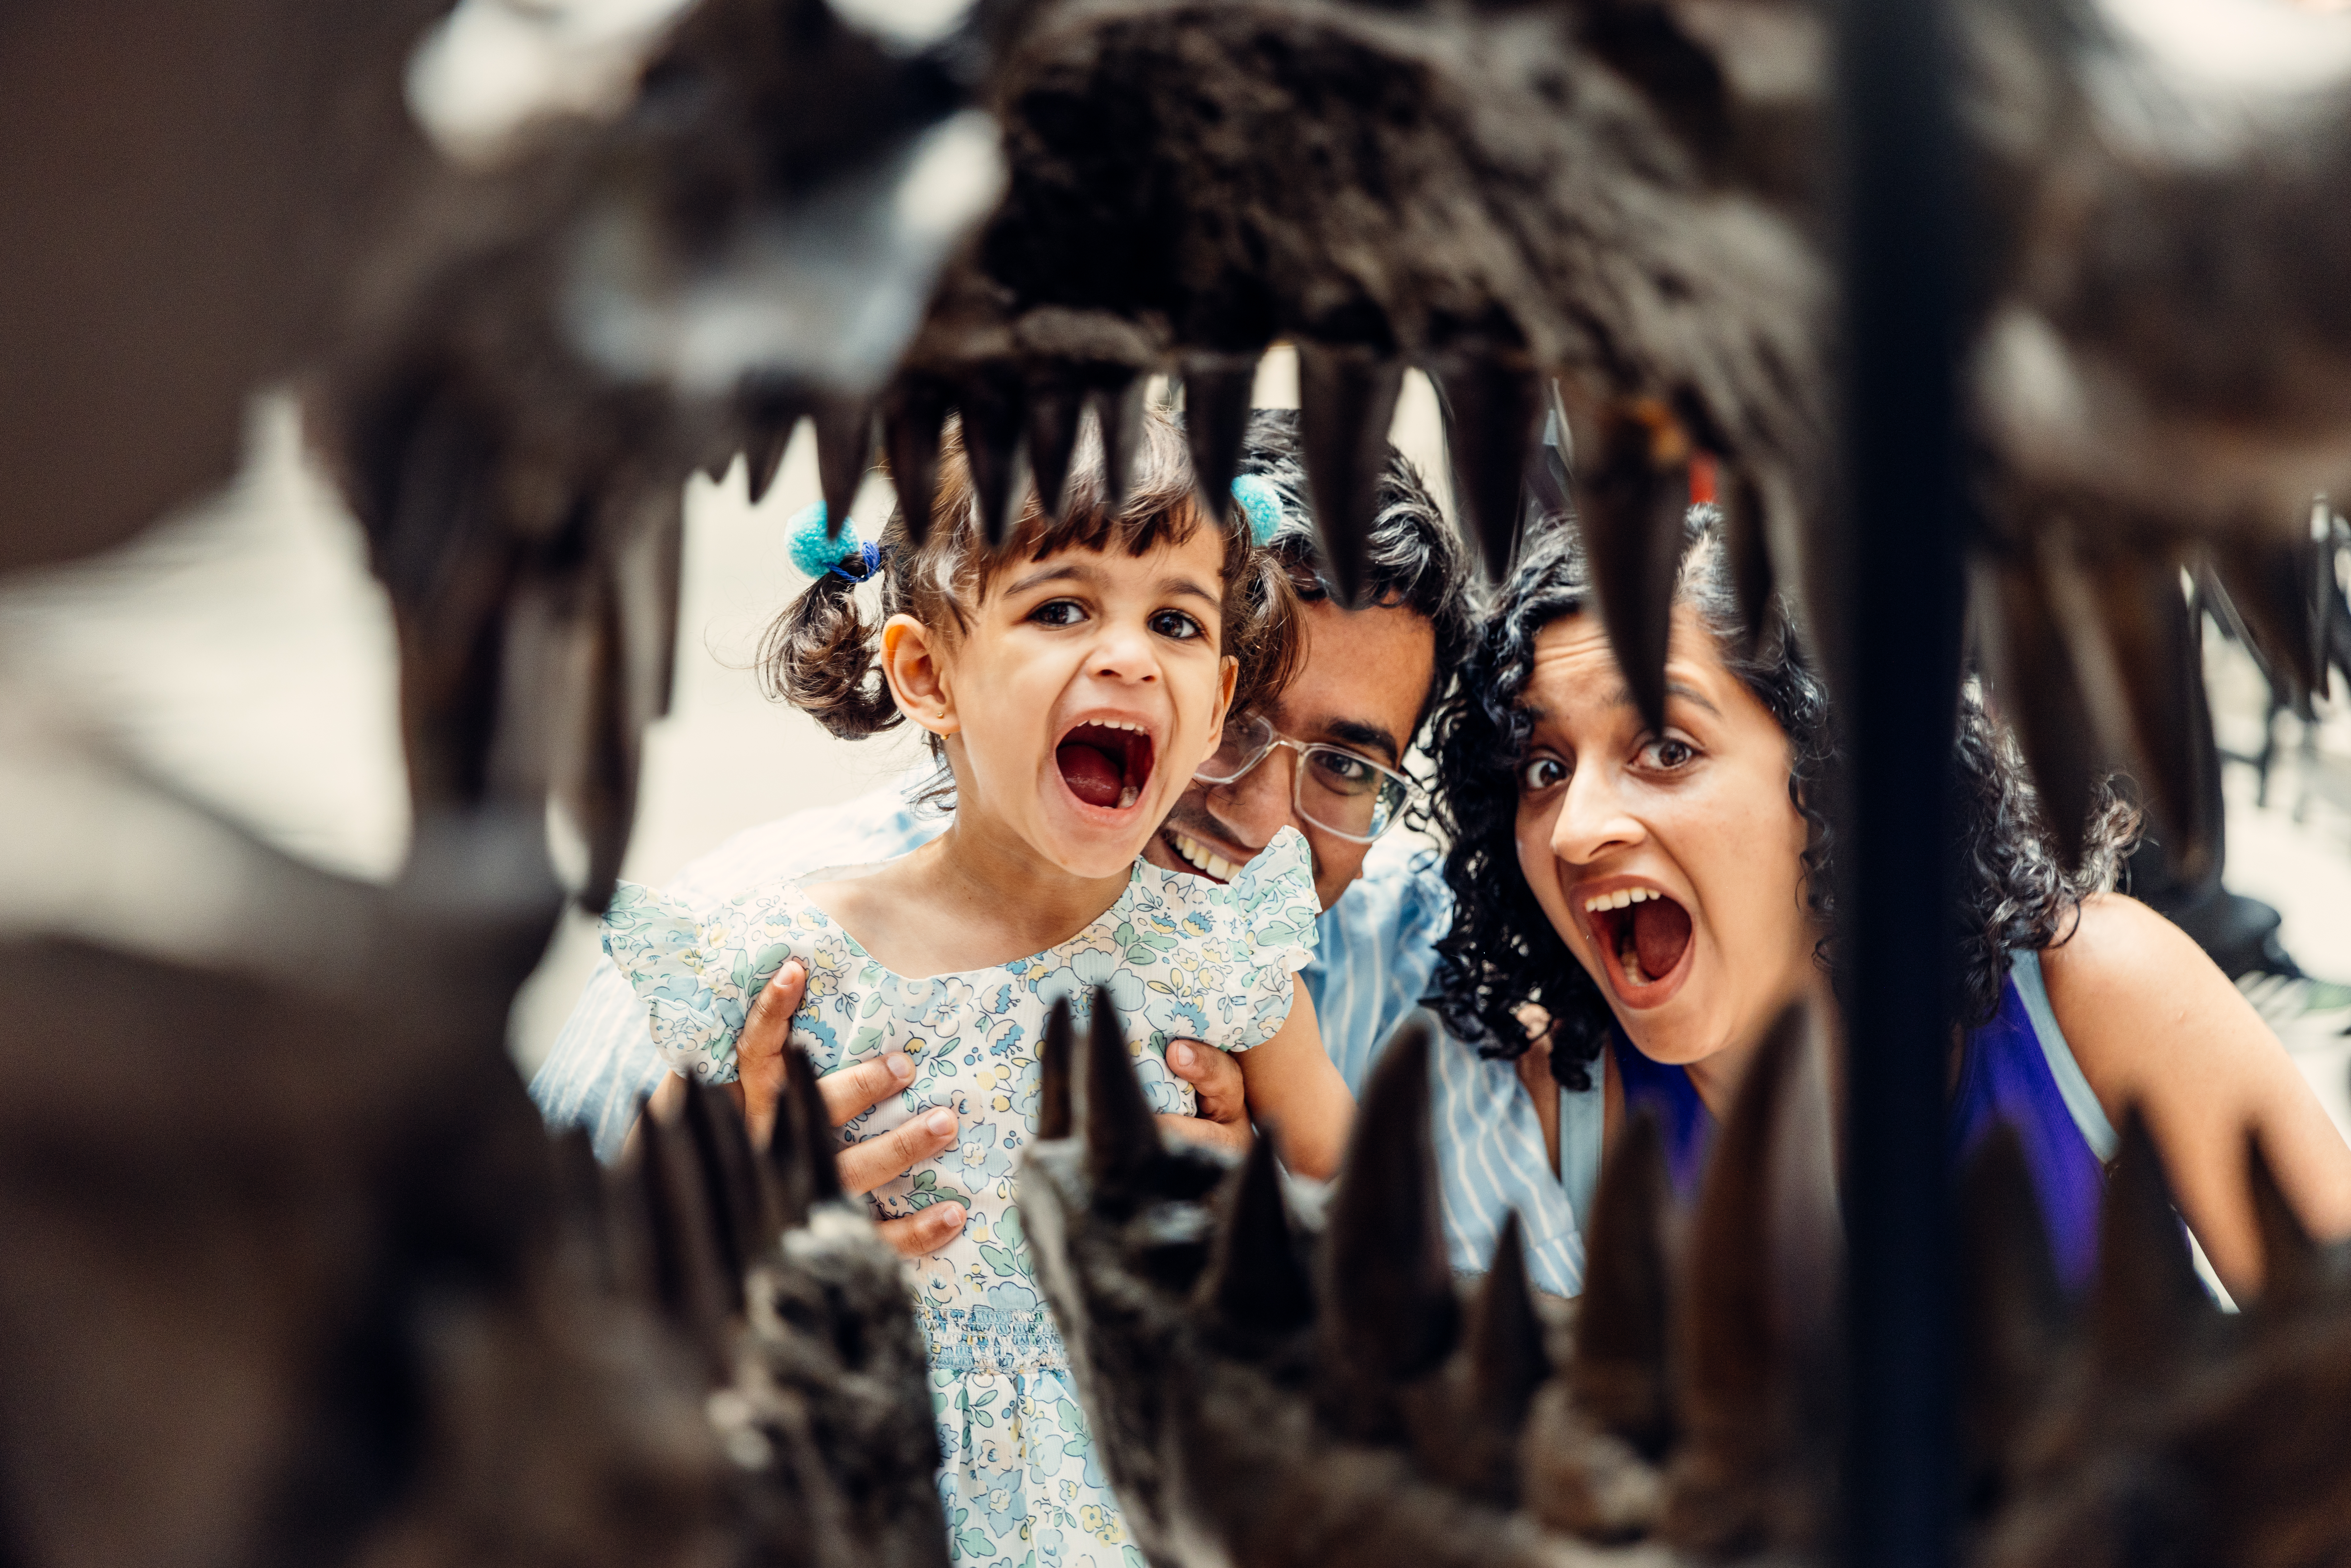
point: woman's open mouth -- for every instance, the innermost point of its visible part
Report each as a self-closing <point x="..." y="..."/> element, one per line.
<point x="1105" y="763"/>
<point x="1643" y="939"/>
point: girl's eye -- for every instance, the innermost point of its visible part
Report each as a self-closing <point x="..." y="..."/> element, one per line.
<point x="1176" y="624"/>
<point x="1667" y="753"/>
<point x="1538" y="774"/>
<point x="1058" y="613"/>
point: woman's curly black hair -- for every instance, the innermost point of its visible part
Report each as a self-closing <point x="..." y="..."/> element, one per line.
<point x="1503" y="953"/>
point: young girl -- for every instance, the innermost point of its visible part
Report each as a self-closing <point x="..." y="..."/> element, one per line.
<point x="1072" y="681"/>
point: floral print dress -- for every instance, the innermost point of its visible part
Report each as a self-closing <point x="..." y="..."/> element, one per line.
<point x="1181" y="956"/>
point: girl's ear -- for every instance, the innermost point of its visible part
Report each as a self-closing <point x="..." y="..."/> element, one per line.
<point x="913" y="662"/>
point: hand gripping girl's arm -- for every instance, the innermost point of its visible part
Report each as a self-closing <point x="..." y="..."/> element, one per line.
<point x="1294" y="1090"/>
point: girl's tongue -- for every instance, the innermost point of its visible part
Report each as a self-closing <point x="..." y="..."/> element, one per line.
<point x="1100" y="765"/>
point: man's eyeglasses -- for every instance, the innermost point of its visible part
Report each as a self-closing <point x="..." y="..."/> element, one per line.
<point x="1338" y="790"/>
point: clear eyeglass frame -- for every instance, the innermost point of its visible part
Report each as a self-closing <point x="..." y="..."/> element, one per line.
<point x="1341" y="792"/>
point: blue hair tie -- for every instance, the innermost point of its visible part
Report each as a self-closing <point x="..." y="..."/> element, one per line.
<point x="1260" y="503"/>
<point x="815" y="553"/>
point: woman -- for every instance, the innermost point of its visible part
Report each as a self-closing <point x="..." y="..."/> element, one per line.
<point x="1653" y="900"/>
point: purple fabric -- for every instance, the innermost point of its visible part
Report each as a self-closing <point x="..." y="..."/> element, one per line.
<point x="1685" y="1125"/>
<point x="2003" y="1077"/>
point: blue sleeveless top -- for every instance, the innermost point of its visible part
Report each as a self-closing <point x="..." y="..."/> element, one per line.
<point x="2016" y="1068"/>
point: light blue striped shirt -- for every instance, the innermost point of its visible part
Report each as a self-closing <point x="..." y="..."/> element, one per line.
<point x="1375" y="953"/>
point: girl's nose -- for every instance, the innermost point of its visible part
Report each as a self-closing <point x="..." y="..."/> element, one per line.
<point x="1125" y="654"/>
<point x="1593" y="819"/>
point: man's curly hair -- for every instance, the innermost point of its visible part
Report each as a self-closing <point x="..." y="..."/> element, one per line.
<point x="1503" y="953"/>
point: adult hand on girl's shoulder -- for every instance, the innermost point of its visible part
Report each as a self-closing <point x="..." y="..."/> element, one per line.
<point x="2153" y="1022"/>
<point x="1222" y="1120"/>
<point x="847" y="1091"/>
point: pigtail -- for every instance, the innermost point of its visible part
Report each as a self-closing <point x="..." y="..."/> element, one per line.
<point x="823" y="656"/>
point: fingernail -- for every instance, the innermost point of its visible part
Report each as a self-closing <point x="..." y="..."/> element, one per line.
<point x="1179" y="1055"/>
<point x="901" y="1065"/>
<point x="951" y="1214"/>
<point x="941" y="1121"/>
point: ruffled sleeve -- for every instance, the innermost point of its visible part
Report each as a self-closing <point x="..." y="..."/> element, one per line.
<point x="698" y="976"/>
<point x="1229" y="976"/>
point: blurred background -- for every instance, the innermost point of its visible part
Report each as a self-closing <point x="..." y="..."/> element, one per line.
<point x="241" y="651"/>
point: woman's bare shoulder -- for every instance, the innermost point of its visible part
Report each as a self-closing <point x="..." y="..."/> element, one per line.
<point x="2113" y="943"/>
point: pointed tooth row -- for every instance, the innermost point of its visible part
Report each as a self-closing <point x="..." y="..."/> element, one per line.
<point x="1015" y="421"/>
<point x="1623" y="898"/>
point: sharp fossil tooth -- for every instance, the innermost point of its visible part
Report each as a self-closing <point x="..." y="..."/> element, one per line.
<point x="2276" y="587"/>
<point x="1390" y="1316"/>
<point x="1491" y="409"/>
<point x="1748" y="552"/>
<point x="730" y="1177"/>
<point x="915" y="409"/>
<point x="695" y="1286"/>
<point x="2158" y="659"/>
<point x="2290" y="1257"/>
<point x="805" y="1150"/>
<point x="647" y="578"/>
<point x="2015" y="1310"/>
<point x="629" y="1226"/>
<point x="1631" y="506"/>
<point x="1056" y="405"/>
<point x="990" y="401"/>
<point x="2034" y="681"/>
<point x="1216" y="389"/>
<point x="598" y="780"/>
<point x="2147" y="1306"/>
<point x="1618" y="1369"/>
<point x="844" y="451"/>
<point x="1257" y="1284"/>
<point x="1122" y="1136"/>
<point x="1056" y="1114"/>
<point x="1508" y="1360"/>
<point x="1117" y="403"/>
<point x="1747" y="1369"/>
<point x="585" y="1208"/>
<point x="1346" y="399"/>
<point x="769" y="422"/>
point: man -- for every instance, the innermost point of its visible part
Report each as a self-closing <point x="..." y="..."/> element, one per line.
<point x="1366" y="683"/>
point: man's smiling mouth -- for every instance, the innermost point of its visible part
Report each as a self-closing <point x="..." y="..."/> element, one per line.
<point x="1199" y="856"/>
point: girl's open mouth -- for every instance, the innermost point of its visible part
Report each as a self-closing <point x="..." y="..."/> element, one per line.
<point x="1643" y="938"/>
<point x="1105" y="763"/>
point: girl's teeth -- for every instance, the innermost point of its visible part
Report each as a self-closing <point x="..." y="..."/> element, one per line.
<point x="1126" y="797"/>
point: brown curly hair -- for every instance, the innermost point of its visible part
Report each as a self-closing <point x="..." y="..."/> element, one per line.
<point x="822" y="654"/>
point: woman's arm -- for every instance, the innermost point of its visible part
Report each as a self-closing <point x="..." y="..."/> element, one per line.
<point x="1293" y="1089"/>
<point x="2154" y="1022"/>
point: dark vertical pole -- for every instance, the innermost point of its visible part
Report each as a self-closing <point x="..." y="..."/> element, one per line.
<point x="1902" y="598"/>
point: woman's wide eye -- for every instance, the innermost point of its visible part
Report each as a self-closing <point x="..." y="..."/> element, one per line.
<point x="1058" y="613"/>
<point x="1667" y="754"/>
<point x="1538" y="774"/>
<point x="1176" y="624"/>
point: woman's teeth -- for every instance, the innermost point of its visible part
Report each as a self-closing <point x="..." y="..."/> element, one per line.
<point x="1200" y="855"/>
<point x="1623" y="898"/>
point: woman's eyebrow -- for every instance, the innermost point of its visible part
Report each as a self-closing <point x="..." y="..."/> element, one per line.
<point x="1623" y="698"/>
